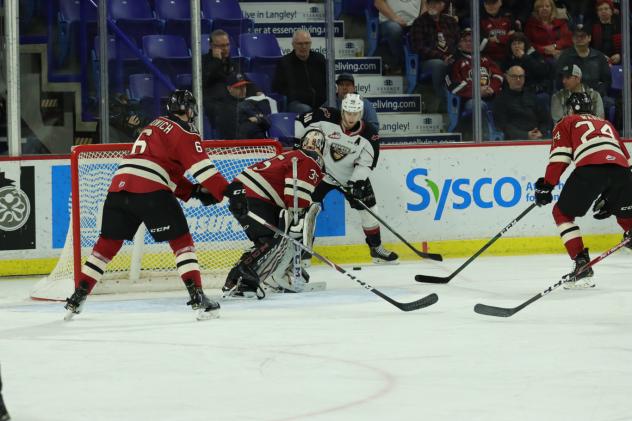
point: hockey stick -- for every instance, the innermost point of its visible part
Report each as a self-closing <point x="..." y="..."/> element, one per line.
<point x="297" y="279"/>
<point x="431" y="256"/>
<point x="508" y="312"/>
<point x="446" y="279"/>
<point x="414" y="305"/>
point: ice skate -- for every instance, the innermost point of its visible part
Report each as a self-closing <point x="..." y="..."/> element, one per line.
<point x="205" y="307"/>
<point x="74" y="304"/>
<point x="380" y="255"/>
<point x="582" y="280"/>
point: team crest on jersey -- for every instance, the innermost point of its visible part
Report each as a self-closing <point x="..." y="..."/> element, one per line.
<point x="338" y="151"/>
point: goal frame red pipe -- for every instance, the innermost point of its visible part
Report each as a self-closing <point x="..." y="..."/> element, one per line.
<point x="74" y="175"/>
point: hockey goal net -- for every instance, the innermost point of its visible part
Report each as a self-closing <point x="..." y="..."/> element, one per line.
<point x="142" y="264"/>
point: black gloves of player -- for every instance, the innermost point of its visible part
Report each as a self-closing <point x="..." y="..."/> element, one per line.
<point x="601" y="208"/>
<point x="543" y="194"/>
<point x="237" y="203"/>
<point x="203" y="195"/>
<point x="363" y="191"/>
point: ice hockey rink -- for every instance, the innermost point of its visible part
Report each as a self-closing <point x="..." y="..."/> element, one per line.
<point x="342" y="354"/>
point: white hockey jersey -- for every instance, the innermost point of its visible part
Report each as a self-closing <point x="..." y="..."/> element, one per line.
<point x="350" y="155"/>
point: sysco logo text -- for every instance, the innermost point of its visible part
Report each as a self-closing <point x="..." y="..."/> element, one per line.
<point x="461" y="193"/>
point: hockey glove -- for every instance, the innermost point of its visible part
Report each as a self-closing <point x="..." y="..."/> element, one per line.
<point x="601" y="208"/>
<point x="543" y="194"/>
<point x="203" y="195"/>
<point x="361" y="190"/>
<point x="237" y="202"/>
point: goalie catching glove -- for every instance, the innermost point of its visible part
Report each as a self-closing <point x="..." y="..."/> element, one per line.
<point x="237" y="202"/>
<point x="203" y="195"/>
<point x="543" y="194"/>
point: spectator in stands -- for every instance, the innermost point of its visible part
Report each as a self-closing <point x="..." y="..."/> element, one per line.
<point x="434" y="36"/>
<point x="539" y="71"/>
<point x="345" y="84"/>
<point x="516" y="109"/>
<point x="520" y="9"/>
<point x="497" y="25"/>
<point x="301" y="75"/>
<point x="396" y="16"/>
<point x="606" y="31"/>
<point x="593" y="63"/>
<point x="460" y="80"/>
<point x="548" y="34"/>
<point x="226" y="109"/>
<point x="126" y="119"/>
<point x="217" y="65"/>
<point x="572" y="81"/>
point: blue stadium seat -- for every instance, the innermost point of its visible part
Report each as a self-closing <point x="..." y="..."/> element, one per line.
<point x="617" y="78"/>
<point x="68" y="20"/>
<point x="456" y="112"/>
<point x="169" y="53"/>
<point x="282" y="127"/>
<point x="227" y="15"/>
<point x="412" y="67"/>
<point x="130" y="63"/>
<point x="135" y="18"/>
<point x="176" y="15"/>
<point x="141" y="86"/>
<point x="263" y="52"/>
<point x="184" y="81"/>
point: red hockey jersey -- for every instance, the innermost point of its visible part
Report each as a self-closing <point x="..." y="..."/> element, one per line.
<point x="585" y="140"/>
<point x="460" y="80"/>
<point x="272" y="180"/>
<point x="164" y="150"/>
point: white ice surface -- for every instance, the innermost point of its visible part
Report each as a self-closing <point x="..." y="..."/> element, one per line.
<point x="342" y="354"/>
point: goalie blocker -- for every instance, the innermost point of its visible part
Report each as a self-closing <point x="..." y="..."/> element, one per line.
<point x="269" y="191"/>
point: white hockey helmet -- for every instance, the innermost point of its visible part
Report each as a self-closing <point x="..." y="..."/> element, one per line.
<point x="352" y="103"/>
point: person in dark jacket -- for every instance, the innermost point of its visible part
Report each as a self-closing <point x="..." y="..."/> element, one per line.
<point x="301" y="75"/>
<point x="226" y="109"/>
<point x="537" y="69"/>
<point x="516" y="110"/>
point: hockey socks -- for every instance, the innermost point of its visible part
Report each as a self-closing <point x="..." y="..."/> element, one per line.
<point x="103" y="252"/>
<point x="186" y="259"/>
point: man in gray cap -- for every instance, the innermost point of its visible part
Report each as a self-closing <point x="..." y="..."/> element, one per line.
<point x="345" y="84"/>
<point x="572" y="81"/>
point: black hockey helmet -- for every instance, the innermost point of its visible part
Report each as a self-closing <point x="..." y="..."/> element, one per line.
<point x="181" y="101"/>
<point x="580" y="103"/>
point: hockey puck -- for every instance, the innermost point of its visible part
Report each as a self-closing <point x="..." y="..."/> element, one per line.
<point x="357" y="267"/>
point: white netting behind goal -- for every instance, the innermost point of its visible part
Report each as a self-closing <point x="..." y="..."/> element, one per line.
<point x="144" y="265"/>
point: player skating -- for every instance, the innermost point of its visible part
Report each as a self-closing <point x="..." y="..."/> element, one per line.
<point x="602" y="168"/>
<point x="144" y="190"/>
<point x="270" y="195"/>
<point x="351" y="152"/>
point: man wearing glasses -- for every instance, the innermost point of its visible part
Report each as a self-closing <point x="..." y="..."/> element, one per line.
<point x="516" y="110"/>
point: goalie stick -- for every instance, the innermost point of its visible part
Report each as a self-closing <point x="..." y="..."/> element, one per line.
<point x="508" y="312"/>
<point x="414" y="305"/>
<point x="431" y="256"/>
<point x="446" y="279"/>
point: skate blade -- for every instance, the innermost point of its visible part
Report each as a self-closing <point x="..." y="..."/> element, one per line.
<point x="378" y="261"/>
<point x="69" y="315"/>
<point x="579" y="285"/>
<point x="207" y="315"/>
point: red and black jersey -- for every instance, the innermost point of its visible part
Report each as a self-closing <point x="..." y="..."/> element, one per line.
<point x="498" y="26"/>
<point x="164" y="150"/>
<point x="272" y="180"/>
<point x="585" y="140"/>
<point x="460" y="80"/>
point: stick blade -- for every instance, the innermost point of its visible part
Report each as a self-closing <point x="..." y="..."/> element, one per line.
<point x="432" y="279"/>
<point x="426" y="301"/>
<point x="494" y="311"/>
<point x="431" y="256"/>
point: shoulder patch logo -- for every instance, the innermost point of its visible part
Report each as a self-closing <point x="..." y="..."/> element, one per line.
<point x="338" y="152"/>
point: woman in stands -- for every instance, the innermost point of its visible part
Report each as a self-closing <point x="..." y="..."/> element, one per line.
<point x="548" y="34"/>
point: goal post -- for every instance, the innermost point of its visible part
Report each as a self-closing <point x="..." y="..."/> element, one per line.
<point x="142" y="265"/>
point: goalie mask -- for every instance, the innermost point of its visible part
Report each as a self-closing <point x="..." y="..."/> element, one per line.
<point x="352" y="109"/>
<point x="312" y="144"/>
<point x="183" y="102"/>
